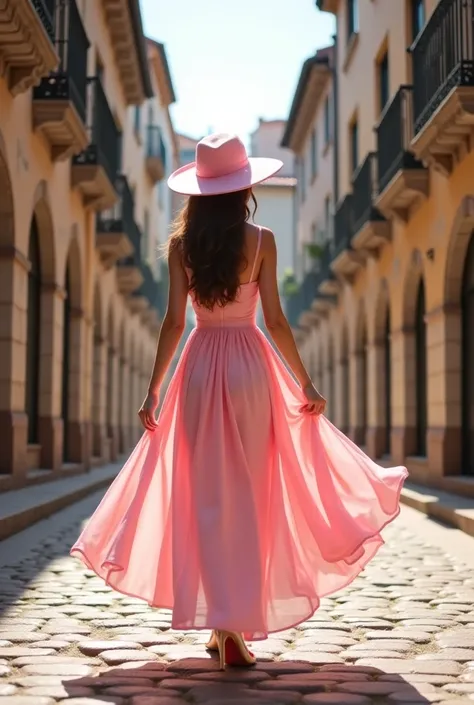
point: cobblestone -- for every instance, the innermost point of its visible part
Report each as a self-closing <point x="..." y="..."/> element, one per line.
<point x="403" y="632"/>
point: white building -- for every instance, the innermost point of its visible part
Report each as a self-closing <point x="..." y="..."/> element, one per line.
<point x="276" y="196"/>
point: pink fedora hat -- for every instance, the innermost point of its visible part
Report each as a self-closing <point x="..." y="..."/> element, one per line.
<point x="221" y="166"/>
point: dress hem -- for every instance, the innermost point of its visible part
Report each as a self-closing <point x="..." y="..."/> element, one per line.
<point x="79" y="553"/>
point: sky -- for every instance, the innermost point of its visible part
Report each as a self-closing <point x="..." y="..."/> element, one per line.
<point x="233" y="62"/>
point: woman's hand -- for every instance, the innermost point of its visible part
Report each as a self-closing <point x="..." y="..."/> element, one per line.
<point x="148" y="410"/>
<point x="315" y="402"/>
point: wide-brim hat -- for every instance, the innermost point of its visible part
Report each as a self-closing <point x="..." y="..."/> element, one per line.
<point x="222" y="166"/>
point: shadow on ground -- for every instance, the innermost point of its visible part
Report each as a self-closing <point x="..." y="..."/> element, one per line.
<point x="279" y="683"/>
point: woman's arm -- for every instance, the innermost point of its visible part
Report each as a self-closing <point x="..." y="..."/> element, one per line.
<point x="277" y="324"/>
<point x="170" y="333"/>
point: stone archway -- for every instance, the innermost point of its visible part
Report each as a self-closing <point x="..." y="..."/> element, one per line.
<point x="380" y="377"/>
<point x="451" y="449"/>
<point x="13" y="272"/>
<point x="74" y="440"/>
<point x="358" y="378"/>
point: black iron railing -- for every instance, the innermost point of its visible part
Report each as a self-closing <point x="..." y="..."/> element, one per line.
<point x="443" y="57"/>
<point x="121" y="217"/>
<point x="343" y="226"/>
<point x="69" y="82"/>
<point x="394" y="134"/>
<point x="364" y="186"/>
<point x="45" y="11"/>
<point x="105" y="137"/>
<point x="155" y="147"/>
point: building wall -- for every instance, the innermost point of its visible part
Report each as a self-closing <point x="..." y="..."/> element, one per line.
<point x="383" y="357"/>
<point x="87" y="402"/>
<point x="275" y="211"/>
<point x="265" y="142"/>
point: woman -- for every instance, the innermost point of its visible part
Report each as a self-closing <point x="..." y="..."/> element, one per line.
<point x="242" y="505"/>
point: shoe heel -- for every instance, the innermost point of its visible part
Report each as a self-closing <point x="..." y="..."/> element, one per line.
<point x="221" y="639"/>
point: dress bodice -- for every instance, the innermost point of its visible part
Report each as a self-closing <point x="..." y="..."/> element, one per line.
<point x="241" y="312"/>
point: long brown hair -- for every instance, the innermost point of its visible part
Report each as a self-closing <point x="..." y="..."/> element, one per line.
<point x="210" y="234"/>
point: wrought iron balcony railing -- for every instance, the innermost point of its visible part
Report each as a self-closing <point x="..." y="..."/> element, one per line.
<point x="45" y="11"/>
<point x="364" y="185"/>
<point x="443" y="57"/>
<point x="343" y="225"/>
<point x="394" y="134"/>
<point x="105" y="137"/>
<point x="69" y="82"/>
<point x="121" y="217"/>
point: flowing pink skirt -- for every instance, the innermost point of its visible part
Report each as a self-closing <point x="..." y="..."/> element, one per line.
<point x="239" y="512"/>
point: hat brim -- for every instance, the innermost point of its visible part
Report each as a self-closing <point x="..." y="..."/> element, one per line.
<point x="186" y="182"/>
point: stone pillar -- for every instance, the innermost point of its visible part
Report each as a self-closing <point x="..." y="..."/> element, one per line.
<point x="357" y="397"/>
<point x="50" y="428"/>
<point x="99" y="399"/>
<point x="113" y="421"/>
<point x="403" y="436"/>
<point x="376" y="416"/>
<point x="341" y="393"/>
<point x="444" y="441"/>
<point x="76" y="432"/>
<point x="124" y="405"/>
<point x="14" y="269"/>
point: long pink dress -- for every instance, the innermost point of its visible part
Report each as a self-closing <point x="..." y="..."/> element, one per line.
<point x="239" y="512"/>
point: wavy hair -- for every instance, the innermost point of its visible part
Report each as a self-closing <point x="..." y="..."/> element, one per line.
<point x="209" y="232"/>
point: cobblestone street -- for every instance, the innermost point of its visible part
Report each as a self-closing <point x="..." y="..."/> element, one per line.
<point x="402" y="633"/>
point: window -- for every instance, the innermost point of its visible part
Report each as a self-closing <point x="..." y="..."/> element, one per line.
<point x="417" y="17"/>
<point x="137" y="119"/>
<point x="327" y="120"/>
<point x="314" y="154"/>
<point x="383" y="81"/>
<point x="354" y="145"/>
<point x="352" y="17"/>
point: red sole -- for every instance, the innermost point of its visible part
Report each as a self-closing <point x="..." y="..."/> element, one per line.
<point x="233" y="657"/>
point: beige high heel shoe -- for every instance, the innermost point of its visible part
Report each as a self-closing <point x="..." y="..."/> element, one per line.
<point x="236" y="653"/>
<point x="212" y="644"/>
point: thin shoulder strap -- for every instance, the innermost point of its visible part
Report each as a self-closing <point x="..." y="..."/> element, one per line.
<point x="259" y="240"/>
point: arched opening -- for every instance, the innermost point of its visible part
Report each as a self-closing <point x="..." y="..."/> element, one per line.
<point x="331" y="398"/>
<point x="421" y="386"/>
<point x="97" y="371"/>
<point x="33" y="334"/>
<point x="345" y="396"/>
<point x="387" y="367"/>
<point x="467" y="370"/>
<point x="110" y="376"/>
<point x="65" y="401"/>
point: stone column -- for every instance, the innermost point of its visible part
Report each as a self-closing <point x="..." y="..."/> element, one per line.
<point x="113" y="421"/>
<point x="403" y="436"/>
<point x="76" y="433"/>
<point x="357" y="397"/>
<point x="341" y="393"/>
<point x="444" y="441"/>
<point x="99" y="399"/>
<point x="376" y="416"/>
<point x="14" y="269"/>
<point x="50" y="427"/>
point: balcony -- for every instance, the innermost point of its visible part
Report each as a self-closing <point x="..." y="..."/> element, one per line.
<point x="345" y="260"/>
<point x="403" y="182"/>
<point x="443" y="85"/>
<point x="94" y="171"/>
<point x="27" y="51"/>
<point x="326" y="283"/>
<point x="370" y="228"/>
<point x="155" y="153"/>
<point x="59" y="101"/>
<point x="116" y="235"/>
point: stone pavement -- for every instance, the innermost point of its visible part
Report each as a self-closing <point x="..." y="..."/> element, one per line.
<point x="401" y="633"/>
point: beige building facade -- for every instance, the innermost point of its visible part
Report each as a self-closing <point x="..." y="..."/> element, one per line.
<point x="80" y="301"/>
<point x="389" y="329"/>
